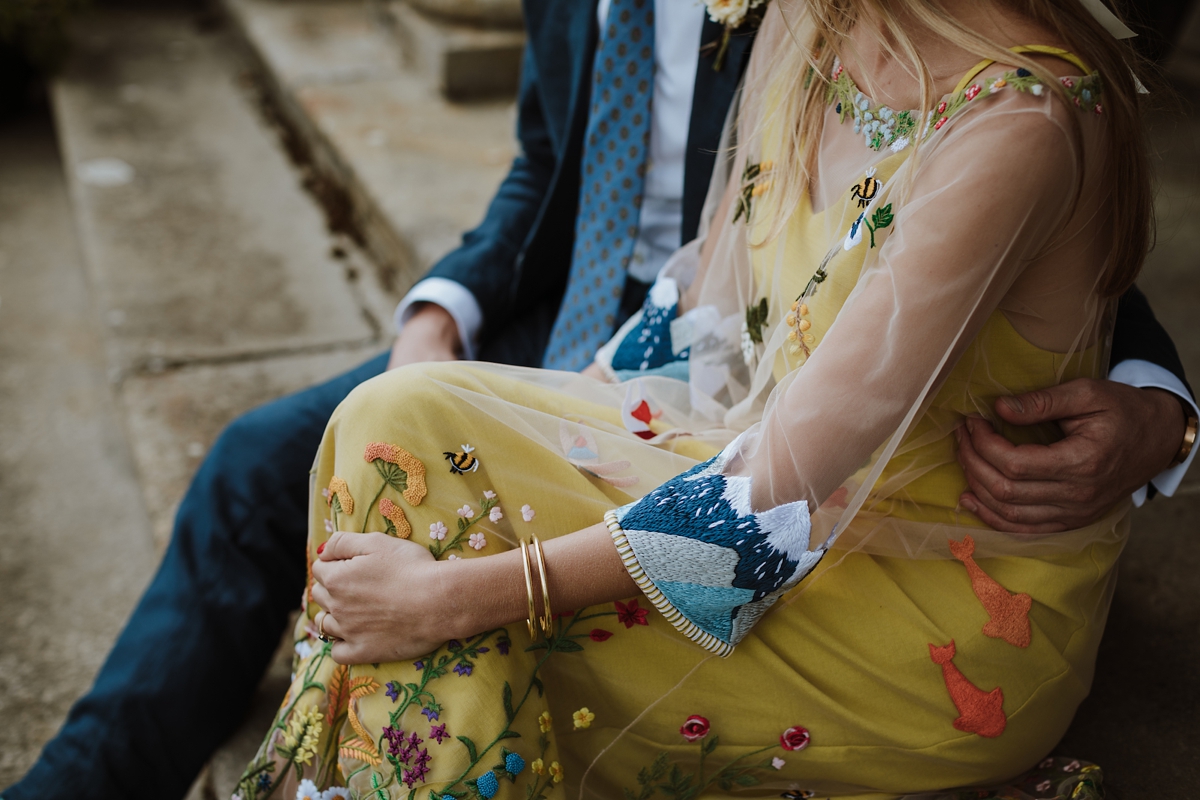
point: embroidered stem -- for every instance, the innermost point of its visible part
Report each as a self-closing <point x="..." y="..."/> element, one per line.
<point x="464" y="525"/>
<point x="722" y="49"/>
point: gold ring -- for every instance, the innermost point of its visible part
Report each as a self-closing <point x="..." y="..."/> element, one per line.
<point x="321" y="634"/>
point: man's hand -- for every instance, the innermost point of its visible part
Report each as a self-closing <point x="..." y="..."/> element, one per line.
<point x="384" y="597"/>
<point x="430" y="334"/>
<point x="1116" y="438"/>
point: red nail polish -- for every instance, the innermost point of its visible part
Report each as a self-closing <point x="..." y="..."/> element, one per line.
<point x="321" y="548"/>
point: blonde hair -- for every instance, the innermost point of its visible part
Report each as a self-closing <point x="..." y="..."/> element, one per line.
<point x="809" y="64"/>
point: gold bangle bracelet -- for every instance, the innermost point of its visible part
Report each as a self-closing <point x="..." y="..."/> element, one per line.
<point x="529" y="591"/>
<point x="548" y="619"/>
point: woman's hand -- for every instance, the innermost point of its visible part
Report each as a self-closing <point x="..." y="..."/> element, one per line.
<point x="384" y="597"/>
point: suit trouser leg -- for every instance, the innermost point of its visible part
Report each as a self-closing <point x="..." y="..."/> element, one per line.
<point x="181" y="675"/>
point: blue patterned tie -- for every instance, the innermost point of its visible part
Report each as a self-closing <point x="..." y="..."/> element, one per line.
<point x="610" y="192"/>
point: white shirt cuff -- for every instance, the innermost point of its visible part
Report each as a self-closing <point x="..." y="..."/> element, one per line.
<point x="1147" y="375"/>
<point x="458" y="302"/>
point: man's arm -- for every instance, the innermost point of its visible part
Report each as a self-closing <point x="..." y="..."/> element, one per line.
<point x="1120" y="436"/>
<point x="471" y="281"/>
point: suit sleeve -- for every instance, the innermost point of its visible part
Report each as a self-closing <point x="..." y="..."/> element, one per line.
<point x="1137" y="334"/>
<point x="485" y="261"/>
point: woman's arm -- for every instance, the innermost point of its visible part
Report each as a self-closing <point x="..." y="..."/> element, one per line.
<point x="388" y="599"/>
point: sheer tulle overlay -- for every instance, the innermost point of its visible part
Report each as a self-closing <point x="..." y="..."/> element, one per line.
<point x="924" y="276"/>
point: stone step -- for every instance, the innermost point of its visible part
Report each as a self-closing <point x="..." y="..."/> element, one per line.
<point x="415" y="169"/>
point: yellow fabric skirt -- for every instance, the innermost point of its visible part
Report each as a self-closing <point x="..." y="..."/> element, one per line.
<point x="848" y="688"/>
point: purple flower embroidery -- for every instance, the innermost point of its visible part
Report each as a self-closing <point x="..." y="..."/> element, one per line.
<point x="503" y="646"/>
<point x="419" y="665"/>
<point x="393" y="691"/>
<point x="419" y="770"/>
<point x="430" y="714"/>
<point x="481" y="649"/>
<point x="395" y="738"/>
<point x="414" y="740"/>
<point x="438" y="733"/>
<point x="463" y="668"/>
<point x="454" y="644"/>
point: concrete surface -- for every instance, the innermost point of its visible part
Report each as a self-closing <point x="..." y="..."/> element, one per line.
<point x="417" y="170"/>
<point x="75" y="542"/>
<point x="182" y="277"/>
<point x="162" y="95"/>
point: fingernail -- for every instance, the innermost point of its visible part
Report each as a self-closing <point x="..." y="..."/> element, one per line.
<point x="1014" y="404"/>
<point x="969" y="504"/>
<point x="321" y="548"/>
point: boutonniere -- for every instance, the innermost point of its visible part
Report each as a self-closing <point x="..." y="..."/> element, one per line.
<point x="733" y="15"/>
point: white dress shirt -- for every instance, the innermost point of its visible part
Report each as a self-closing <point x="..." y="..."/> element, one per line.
<point x="677" y="27"/>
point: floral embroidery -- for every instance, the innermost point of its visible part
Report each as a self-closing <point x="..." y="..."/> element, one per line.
<point x="799" y="340"/>
<point x="753" y="185"/>
<point x="583" y="718"/>
<point x="431" y="714"/>
<point x="397" y="523"/>
<point x="300" y="739"/>
<point x="636" y="412"/>
<point x="495" y="515"/>
<point x="556" y="771"/>
<point x="393" y="691"/>
<point x="694" y="728"/>
<point x="631" y="614"/>
<point x="1008" y="613"/>
<point x="527" y="513"/>
<point x="752" y="328"/>
<point x="466" y="519"/>
<point x="599" y="635"/>
<point x="880" y="218"/>
<point x="672" y="780"/>
<point x="795" y="738"/>
<point x="338" y="497"/>
<point x="537" y="766"/>
<point x="545" y="722"/>
<point x="882" y="126"/>
<point x="979" y="712"/>
<point x="462" y="462"/>
<point x="400" y="469"/>
<point x="437" y="531"/>
<point x="307" y="790"/>
<point x="778" y="763"/>
<point x="438" y="733"/>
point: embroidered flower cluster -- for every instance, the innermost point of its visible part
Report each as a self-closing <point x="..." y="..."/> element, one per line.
<point x="882" y="126"/>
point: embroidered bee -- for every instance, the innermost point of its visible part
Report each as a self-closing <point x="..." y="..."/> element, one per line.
<point x="462" y="462"/>
<point x="865" y="190"/>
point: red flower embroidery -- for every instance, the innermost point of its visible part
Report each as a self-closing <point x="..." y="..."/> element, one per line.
<point x="1098" y="109"/>
<point x="1067" y="82"/>
<point x="795" y="738"/>
<point x="973" y="91"/>
<point x="938" y="125"/>
<point x="941" y="108"/>
<point x="630" y="614"/>
<point x="599" y="635"/>
<point x="694" y="728"/>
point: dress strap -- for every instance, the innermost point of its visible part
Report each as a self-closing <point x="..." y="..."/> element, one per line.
<point x="1044" y="49"/>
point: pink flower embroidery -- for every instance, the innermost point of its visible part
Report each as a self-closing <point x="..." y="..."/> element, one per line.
<point x="795" y="738"/>
<point x="694" y="728"/>
<point x="489" y="494"/>
<point x="466" y="512"/>
<point x="1044" y="786"/>
<point x="495" y="515"/>
<point x="527" y="513"/>
<point x="630" y="614"/>
<point x="478" y="541"/>
<point x="438" y="531"/>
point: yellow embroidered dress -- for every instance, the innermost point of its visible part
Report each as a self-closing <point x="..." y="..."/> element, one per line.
<point x="932" y="269"/>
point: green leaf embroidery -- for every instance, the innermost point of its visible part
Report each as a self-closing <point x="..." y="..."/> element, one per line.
<point x="508" y="707"/>
<point x="882" y="218"/>
<point x="470" y="747"/>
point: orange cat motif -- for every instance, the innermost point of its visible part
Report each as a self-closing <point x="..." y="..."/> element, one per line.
<point x="979" y="712"/>
<point x="1009" y="612"/>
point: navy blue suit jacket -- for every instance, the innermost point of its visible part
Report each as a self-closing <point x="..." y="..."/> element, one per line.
<point x="517" y="261"/>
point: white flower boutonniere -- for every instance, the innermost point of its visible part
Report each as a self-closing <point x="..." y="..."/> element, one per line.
<point x="732" y="14"/>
